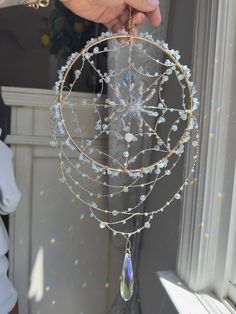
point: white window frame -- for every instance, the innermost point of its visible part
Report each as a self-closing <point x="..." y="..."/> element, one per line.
<point x="208" y="225"/>
<point x="232" y="282"/>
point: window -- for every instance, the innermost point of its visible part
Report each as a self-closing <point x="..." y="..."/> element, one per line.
<point x="206" y="260"/>
<point x="232" y="281"/>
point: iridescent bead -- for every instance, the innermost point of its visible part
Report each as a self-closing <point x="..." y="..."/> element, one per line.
<point x="96" y="50"/>
<point x="84" y="102"/>
<point x="77" y="73"/>
<point x="53" y="143"/>
<point x="129" y="137"/>
<point x="126" y="79"/>
<point x="161" y="120"/>
<point x="62" y="180"/>
<point x="126" y="154"/>
<point x="107" y="79"/>
<point x="195" y="143"/>
<point x="191" y="124"/>
<point x="183" y="116"/>
<point x="177" y="196"/>
<point x="68" y="170"/>
<point x="93" y="204"/>
<point x="142" y="198"/>
<point x="87" y="55"/>
<point x="102" y="225"/>
<point x="90" y="150"/>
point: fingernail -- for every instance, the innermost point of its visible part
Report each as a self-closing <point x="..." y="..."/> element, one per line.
<point x="153" y="3"/>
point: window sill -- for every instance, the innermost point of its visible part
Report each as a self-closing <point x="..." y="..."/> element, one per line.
<point x="188" y="302"/>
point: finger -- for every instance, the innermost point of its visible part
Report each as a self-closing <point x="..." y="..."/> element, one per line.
<point x="134" y="31"/>
<point x="115" y="25"/>
<point x="139" y="18"/>
<point x="143" y="5"/>
<point x="155" y="17"/>
<point x="125" y="16"/>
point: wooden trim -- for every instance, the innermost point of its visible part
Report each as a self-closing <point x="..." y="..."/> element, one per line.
<point x="27" y="140"/>
<point x="20" y="238"/>
<point x="33" y="97"/>
<point x="192" y="242"/>
<point x="186" y="301"/>
<point x="28" y="143"/>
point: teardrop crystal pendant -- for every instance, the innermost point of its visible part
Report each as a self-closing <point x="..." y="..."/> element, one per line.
<point x="127" y="278"/>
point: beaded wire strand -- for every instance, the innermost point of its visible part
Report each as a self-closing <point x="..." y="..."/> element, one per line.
<point x="146" y="176"/>
<point x="135" y="114"/>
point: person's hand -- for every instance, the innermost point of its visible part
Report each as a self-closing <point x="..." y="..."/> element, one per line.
<point x="115" y="13"/>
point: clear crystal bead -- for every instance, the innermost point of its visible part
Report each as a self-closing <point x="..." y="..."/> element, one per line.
<point x="177" y="196"/>
<point x="102" y="225"/>
<point x="126" y="189"/>
<point x="126" y="154"/>
<point x="129" y="137"/>
<point x="127" y="278"/>
<point x="142" y="198"/>
<point x="77" y="73"/>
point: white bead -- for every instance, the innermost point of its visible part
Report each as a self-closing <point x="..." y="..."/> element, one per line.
<point x="129" y="137"/>
<point x="102" y="225"/>
<point x="177" y="196"/>
<point x="142" y="198"/>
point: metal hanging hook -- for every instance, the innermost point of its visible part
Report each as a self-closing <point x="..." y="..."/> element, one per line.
<point x="128" y="245"/>
<point x="130" y="22"/>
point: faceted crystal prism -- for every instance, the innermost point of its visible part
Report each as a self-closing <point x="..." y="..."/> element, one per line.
<point x="127" y="278"/>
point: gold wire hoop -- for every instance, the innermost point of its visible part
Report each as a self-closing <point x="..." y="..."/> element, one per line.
<point x="96" y="190"/>
<point x="189" y="111"/>
<point x="63" y="138"/>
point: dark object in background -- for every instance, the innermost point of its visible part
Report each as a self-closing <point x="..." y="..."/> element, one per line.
<point x="69" y="32"/>
<point x="5" y="125"/>
<point x="5" y="118"/>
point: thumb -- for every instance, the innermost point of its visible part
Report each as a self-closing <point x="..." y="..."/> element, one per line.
<point x="143" y="5"/>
